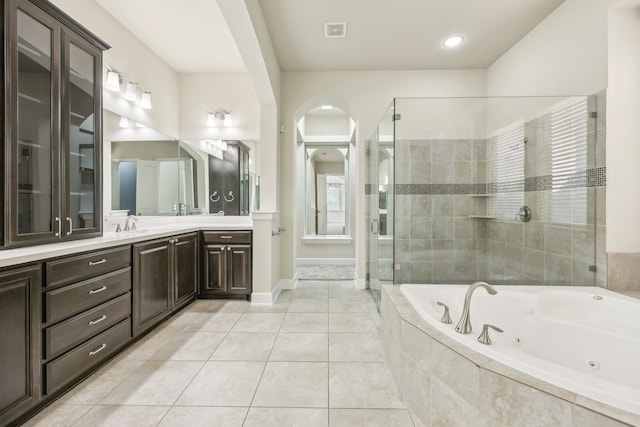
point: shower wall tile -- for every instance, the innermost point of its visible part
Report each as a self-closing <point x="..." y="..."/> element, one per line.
<point x="420" y="250"/>
<point x="557" y="269"/>
<point x="402" y="150"/>
<point x="402" y="172"/>
<point x="462" y="150"/>
<point x="580" y="274"/>
<point x="464" y="172"/>
<point x="420" y="151"/>
<point x="420" y="228"/>
<point x="534" y="235"/>
<point x="465" y="250"/>
<point x="402" y="250"/>
<point x="533" y="265"/>
<point x="601" y="205"/>
<point x="442" y="250"/>
<point x="443" y="228"/>
<point x="514" y="259"/>
<point x="464" y="228"/>
<point x="443" y="172"/>
<point x="422" y="272"/>
<point x="421" y="205"/>
<point x="420" y="172"/>
<point x="442" y="150"/>
<point x="462" y="206"/>
<point x="557" y="239"/>
<point x="479" y="150"/>
<point x="582" y="247"/>
<point x="442" y="206"/>
<point x="514" y="232"/>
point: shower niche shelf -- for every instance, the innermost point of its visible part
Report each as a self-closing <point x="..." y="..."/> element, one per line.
<point x="481" y="217"/>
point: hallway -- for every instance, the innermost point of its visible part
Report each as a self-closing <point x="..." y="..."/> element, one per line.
<point x="314" y="358"/>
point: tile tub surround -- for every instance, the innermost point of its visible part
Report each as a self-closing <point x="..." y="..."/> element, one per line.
<point x="314" y="358"/>
<point x="445" y="383"/>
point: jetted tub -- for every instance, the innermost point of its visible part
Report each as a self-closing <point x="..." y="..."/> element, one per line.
<point x="583" y="339"/>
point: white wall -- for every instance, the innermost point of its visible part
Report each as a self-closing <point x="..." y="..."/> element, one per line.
<point x="202" y="92"/>
<point x="566" y="54"/>
<point x="623" y="131"/>
<point x="365" y="96"/>
<point x="129" y="55"/>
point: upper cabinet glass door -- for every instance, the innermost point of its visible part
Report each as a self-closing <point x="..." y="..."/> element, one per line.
<point x="33" y="165"/>
<point x="81" y="152"/>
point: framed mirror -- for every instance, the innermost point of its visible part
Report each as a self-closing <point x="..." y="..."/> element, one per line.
<point x="327" y="189"/>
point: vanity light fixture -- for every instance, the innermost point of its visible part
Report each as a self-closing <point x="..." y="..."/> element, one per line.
<point x="221" y="115"/>
<point x="453" y="41"/>
<point x="131" y="88"/>
<point x="145" y="100"/>
<point x="131" y="92"/>
<point x="125" y="122"/>
<point x="113" y="81"/>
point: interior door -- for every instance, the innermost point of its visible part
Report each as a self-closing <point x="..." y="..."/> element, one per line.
<point x="147" y="178"/>
<point x="321" y="204"/>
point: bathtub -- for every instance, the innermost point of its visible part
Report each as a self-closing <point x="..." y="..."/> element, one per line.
<point x="583" y="339"/>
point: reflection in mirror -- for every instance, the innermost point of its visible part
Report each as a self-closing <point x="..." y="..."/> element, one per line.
<point x="147" y="173"/>
<point x="326" y="184"/>
<point x="152" y="178"/>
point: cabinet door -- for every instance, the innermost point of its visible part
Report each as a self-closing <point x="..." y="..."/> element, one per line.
<point x="31" y="125"/>
<point x="239" y="269"/>
<point x="80" y="152"/>
<point x="20" y="296"/>
<point x="152" y="271"/>
<point x="186" y="266"/>
<point x="215" y="269"/>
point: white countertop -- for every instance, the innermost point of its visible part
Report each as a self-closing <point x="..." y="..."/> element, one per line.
<point x="148" y="229"/>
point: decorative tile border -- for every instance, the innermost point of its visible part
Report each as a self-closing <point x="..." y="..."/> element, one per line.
<point x="595" y="177"/>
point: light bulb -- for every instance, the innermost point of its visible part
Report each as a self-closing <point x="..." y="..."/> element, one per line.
<point x="131" y="92"/>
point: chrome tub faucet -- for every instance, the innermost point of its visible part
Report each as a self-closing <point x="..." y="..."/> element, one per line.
<point x="464" y="325"/>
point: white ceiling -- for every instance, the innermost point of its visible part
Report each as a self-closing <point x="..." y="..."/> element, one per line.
<point x="398" y="34"/>
<point x="192" y="36"/>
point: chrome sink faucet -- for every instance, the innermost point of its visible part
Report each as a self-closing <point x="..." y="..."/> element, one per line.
<point x="126" y="223"/>
<point x="464" y="325"/>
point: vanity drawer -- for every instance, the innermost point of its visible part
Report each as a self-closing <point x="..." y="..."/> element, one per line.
<point x="65" y="335"/>
<point x="227" y="237"/>
<point x="64" y="302"/>
<point x="79" y="267"/>
<point x="71" y="365"/>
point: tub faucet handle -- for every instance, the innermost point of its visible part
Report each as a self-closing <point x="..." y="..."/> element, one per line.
<point x="445" y="317"/>
<point x="484" y="336"/>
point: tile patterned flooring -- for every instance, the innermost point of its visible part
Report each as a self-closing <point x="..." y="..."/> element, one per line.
<point x="314" y="358"/>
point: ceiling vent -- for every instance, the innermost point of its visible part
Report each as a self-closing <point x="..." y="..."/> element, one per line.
<point x="335" y="30"/>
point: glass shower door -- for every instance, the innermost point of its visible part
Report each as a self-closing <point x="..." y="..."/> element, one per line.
<point x="379" y="206"/>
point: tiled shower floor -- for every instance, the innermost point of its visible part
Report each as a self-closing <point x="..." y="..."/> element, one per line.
<point x="314" y="358"/>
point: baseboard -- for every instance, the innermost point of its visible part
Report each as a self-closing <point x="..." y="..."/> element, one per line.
<point x="288" y="284"/>
<point x="360" y="283"/>
<point x="266" y="298"/>
<point x="322" y="261"/>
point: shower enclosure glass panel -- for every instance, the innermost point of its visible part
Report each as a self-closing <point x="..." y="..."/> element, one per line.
<point x="379" y="189"/>
<point x="496" y="189"/>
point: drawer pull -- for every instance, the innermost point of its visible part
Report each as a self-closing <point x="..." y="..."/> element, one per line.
<point x="226" y="237"/>
<point x="95" y="291"/>
<point x="93" y="322"/>
<point x="98" y="350"/>
<point x="92" y="263"/>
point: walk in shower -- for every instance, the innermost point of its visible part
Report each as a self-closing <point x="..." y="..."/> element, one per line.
<point x="510" y="190"/>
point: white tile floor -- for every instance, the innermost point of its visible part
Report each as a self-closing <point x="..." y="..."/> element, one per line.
<point x="312" y="359"/>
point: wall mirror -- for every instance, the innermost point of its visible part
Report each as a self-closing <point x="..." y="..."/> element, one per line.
<point x="147" y="173"/>
<point x="327" y="189"/>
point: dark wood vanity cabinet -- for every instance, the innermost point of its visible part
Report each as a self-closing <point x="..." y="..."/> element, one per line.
<point x="227" y="269"/>
<point x="229" y="180"/>
<point x="20" y="296"/>
<point x="165" y="278"/>
<point x="52" y="111"/>
<point x="86" y="313"/>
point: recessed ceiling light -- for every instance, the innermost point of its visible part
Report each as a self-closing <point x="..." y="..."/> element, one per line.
<point x="453" y="41"/>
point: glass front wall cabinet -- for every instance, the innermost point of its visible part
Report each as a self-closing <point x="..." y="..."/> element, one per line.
<point x="52" y="113"/>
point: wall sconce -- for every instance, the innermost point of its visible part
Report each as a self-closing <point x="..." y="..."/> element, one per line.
<point x="220" y="115"/>
<point x="131" y="88"/>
